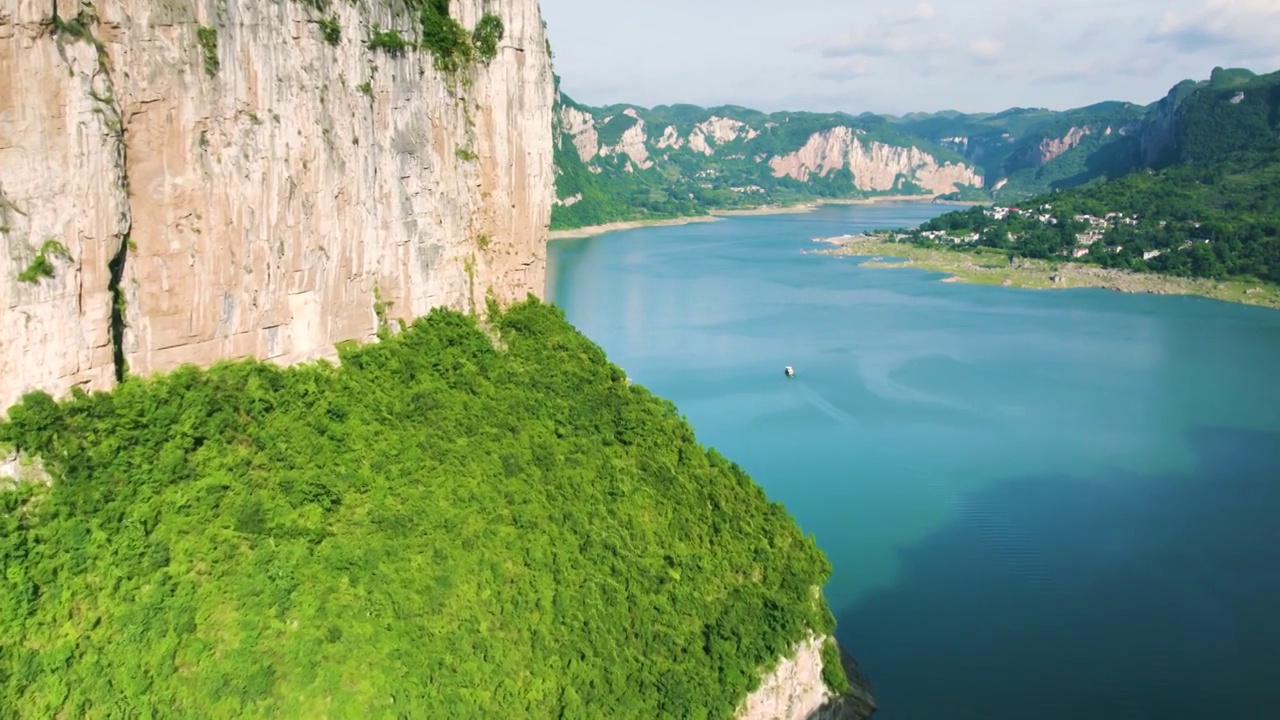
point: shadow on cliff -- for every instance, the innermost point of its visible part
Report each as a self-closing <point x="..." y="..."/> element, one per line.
<point x="1105" y="598"/>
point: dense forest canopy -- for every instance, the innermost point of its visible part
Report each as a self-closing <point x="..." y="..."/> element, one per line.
<point x="455" y="522"/>
<point x="1215" y="220"/>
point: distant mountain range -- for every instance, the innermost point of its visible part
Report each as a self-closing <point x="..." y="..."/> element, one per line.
<point x="626" y="162"/>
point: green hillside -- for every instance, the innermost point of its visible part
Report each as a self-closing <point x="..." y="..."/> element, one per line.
<point x="1236" y="111"/>
<point x="1218" y="219"/>
<point x="1018" y="153"/>
<point x="1210" y="208"/>
<point x="681" y="179"/>
<point x="1009" y="147"/>
<point x="453" y="523"/>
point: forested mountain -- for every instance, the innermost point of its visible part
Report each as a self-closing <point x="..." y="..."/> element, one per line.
<point x="454" y="523"/>
<point x="627" y="162"/>
<point x="1207" y="204"/>
<point x="1218" y="219"/>
<point x="1026" y="150"/>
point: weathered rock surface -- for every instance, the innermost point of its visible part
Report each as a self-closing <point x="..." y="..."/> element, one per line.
<point x="17" y="468"/>
<point x="795" y="690"/>
<point x="631" y="144"/>
<point x="876" y="166"/>
<point x="1051" y="148"/>
<point x="251" y="189"/>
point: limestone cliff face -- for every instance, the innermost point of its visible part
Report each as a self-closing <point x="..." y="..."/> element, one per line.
<point x="649" y="143"/>
<point x="1051" y="148"/>
<point x="1157" y="140"/>
<point x="670" y="138"/>
<point x="795" y="690"/>
<point x="631" y="144"/>
<point x="224" y="180"/>
<point x="876" y="166"/>
<point x="715" y="131"/>
<point x="581" y="127"/>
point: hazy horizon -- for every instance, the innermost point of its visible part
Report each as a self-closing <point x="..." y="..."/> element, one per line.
<point x="896" y="58"/>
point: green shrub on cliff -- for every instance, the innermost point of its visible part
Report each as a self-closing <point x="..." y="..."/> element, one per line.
<point x="207" y="37"/>
<point x="434" y="528"/>
<point x="487" y="34"/>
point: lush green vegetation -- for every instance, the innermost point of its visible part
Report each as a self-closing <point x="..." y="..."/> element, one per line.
<point x="388" y="41"/>
<point x="620" y="196"/>
<point x="41" y="266"/>
<point x="76" y="27"/>
<point x="443" y="36"/>
<point x="1021" y="152"/>
<point x="684" y="181"/>
<point x="1010" y="145"/>
<point x="207" y="37"/>
<point x="330" y="29"/>
<point x="485" y="36"/>
<point x="454" y="522"/>
<point x="833" y="675"/>
<point x="1236" y="112"/>
<point x="1215" y="220"/>
<point x="452" y="48"/>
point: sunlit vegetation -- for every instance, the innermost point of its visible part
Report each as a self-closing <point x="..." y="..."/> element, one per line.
<point x="1212" y="220"/>
<point x="41" y="266"/>
<point x="207" y="37"/>
<point x="451" y="46"/>
<point x="455" y="522"/>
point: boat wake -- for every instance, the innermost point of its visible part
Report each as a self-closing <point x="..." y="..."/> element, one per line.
<point x="823" y="405"/>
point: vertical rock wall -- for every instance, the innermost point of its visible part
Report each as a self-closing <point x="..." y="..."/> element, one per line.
<point x="214" y="180"/>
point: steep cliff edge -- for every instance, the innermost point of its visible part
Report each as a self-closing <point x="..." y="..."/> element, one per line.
<point x="876" y="166"/>
<point x="193" y="180"/>
<point x="795" y="690"/>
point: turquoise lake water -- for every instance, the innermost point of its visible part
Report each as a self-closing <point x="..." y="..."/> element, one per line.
<point x="1039" y="505"/>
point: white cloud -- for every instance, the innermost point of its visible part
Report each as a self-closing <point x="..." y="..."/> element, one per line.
<point x="846" y="68"/>
<point x="912" y="40"/>
<point x="1245" y="28"/>
<point x="869" y="42"/>
<point x="922" y="12"/>
<point x="905" y="55"/>
<point x="986" y="49"/>
<point x="1141" y="65"/>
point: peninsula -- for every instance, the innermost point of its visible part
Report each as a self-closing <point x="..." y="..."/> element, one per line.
<point x="988" y="266"/>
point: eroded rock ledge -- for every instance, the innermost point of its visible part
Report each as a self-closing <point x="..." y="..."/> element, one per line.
<point x="795" y="690"/>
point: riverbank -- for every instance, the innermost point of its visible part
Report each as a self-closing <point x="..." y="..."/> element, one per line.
<point x="990" y="267"/>
<point x="592" y="230"/>
<point x="714" y="215"/>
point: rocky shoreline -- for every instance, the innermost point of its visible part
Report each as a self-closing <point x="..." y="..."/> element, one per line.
<point x="992" y="268"/>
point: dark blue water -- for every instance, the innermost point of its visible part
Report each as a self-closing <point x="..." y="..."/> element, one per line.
<point x="1039" y="505"/>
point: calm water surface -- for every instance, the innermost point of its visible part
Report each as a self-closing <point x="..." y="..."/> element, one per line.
<point x="1039" y="505"/>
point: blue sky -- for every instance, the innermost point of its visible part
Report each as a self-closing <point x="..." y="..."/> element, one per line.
<point x="895" y="57"/>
